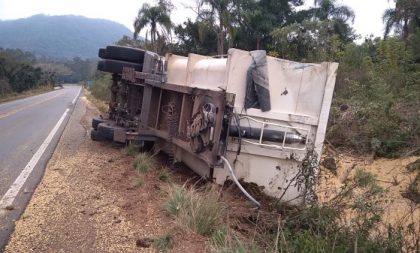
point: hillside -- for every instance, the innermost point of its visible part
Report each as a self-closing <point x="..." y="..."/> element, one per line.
<point x="60" y="36"/>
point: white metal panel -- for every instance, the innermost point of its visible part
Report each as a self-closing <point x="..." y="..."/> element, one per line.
<point x="176" y="69"/>
<point x="209" y="74"/>
<point x="192" y="60"/>
<point x="237" y="66"/>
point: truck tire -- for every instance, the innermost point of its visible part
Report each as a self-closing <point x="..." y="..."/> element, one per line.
<point x="106" y="130"/>
<point x="147" y="146"/>
<point x="96" y="136"/>
<point x="114" y="66"/>
<point x="122" y="53"/>
<point x="102" y="53"/>
<point x="96" y="122"/>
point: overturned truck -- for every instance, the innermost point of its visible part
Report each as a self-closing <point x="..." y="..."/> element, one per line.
<point x="246" y="116"/>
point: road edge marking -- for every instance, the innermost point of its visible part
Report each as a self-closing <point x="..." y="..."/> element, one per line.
<point x="75" y="99"/>
<point x="14" y="189"/>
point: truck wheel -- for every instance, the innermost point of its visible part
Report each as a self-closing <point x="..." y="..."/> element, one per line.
<point x="106" y="130"/>
<point x="102" y="53"/>
<point x="96" y="122"/>
<point x="122" y="53"/>
<point x="114" y="66"/>
<point x="147" y="146"/>
<point x="96" y="136"/>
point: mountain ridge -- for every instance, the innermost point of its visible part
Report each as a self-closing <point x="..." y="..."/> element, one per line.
<point x="64" y="36"/>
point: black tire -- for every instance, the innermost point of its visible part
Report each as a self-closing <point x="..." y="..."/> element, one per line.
<point x="147" y="146"/>
<point x="96" y="122"/>
<point x="102" y="53"/>
<point x="96" y="136"/>
<point x="106" y="130"/>
<point x="114" y="66"/>
<point x="122" y="53"/>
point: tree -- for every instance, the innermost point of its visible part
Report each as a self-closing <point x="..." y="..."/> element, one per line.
<point x="219" y="12"/>
<point x="308" y="41"/>
<point x="157" y="18"/>
<point x="339" y="17"/>
<point x="195" y="37"/>
<point x="130" y="42"/>
<point x="329" y="10"/>
<point x="258" y="18"/>
<point x="403" y="19"/>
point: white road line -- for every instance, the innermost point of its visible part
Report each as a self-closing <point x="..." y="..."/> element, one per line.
<point x="78" y="94"/>
<point x="14" y="189"/>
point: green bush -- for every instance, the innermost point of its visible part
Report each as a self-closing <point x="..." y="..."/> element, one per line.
<point x="101" y="87"/>
<point x="375" y="105"/>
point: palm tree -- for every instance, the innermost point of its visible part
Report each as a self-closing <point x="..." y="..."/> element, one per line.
<point x="338" y="16"/>
<point x="154" y="17"/>
<point x="404" y="18"/>
<point x="329" y="10"/>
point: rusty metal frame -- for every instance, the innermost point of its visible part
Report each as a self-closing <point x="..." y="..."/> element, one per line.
<point x="155" y="92"/>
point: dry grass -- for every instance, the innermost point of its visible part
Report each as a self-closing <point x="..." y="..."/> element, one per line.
<point x="100" y="104"/>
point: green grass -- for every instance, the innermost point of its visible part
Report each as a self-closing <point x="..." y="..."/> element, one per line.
<point x="163" y="243"/>
<point x="165" y="175"/>
<point x="143" y="163"/>
<point x="200" y="212"/>
<point x="130" y="150"/>
<point x="223" y="241"/>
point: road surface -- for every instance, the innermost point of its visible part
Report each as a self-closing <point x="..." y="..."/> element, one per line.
<point x="29" y="131"/>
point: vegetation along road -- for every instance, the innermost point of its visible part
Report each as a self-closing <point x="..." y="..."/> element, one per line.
<point x="29" y="131"/>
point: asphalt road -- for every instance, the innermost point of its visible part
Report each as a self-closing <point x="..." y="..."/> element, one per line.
<point x="29" y="131"/>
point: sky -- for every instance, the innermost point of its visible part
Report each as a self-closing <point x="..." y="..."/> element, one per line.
<point x="368" y="12"/>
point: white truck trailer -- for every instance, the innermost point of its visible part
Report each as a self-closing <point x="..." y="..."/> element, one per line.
<point x="247" y="116"/>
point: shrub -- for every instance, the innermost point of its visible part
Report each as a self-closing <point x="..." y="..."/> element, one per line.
<point x="101" y="87"/>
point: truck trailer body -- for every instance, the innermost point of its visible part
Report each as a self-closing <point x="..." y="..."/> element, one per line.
<point x="265" y="115"/>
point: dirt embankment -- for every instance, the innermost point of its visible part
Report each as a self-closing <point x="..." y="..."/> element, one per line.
<point x="394" y="176"/>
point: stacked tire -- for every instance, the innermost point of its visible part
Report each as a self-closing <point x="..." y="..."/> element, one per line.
<point x="115" y="58"/>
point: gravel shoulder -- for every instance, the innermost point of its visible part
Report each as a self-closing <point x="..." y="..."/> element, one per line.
<point x="89" y="200"/>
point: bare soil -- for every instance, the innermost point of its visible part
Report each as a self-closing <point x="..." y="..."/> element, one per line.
<point x="393" y="175"/>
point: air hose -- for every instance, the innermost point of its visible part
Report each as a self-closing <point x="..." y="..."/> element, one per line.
<point x="237" y="182"/>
